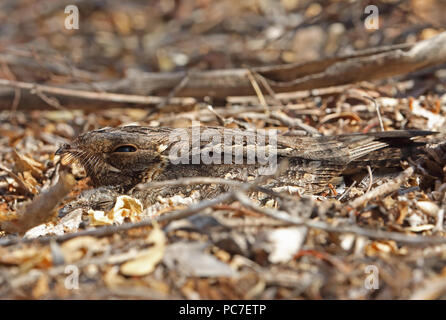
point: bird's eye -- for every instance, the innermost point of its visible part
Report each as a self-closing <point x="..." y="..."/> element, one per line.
<point x="126" y="148"/>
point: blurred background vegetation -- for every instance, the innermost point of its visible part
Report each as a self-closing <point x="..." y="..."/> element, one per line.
<point x="169" y="35"/>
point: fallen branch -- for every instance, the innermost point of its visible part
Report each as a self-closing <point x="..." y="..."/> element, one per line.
<point x="372" y="64"/>
<point x="74" y="97"/>
<point x="145" y="89"/>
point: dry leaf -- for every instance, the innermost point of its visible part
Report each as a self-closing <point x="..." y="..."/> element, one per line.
<point x="112" y="278"/>
<point x="76" y="248"/>
<point x="125" y="208"/>
<point x="189" y="258"/>
<point x="41" y="288"/>
<point x="421" y="228"/>
<point x="41" y="208"/>
<point x="27" y="258"/>
<point x="428" y="207"/>
<point x="146" y="262"/>
<point x="286" y="242"/>
<point x="69" y="223"/>
<point x="24" y="163"/>
<point x="386" y="247"/>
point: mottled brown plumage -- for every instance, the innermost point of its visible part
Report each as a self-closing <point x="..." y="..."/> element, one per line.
<point x="123" y="157"/>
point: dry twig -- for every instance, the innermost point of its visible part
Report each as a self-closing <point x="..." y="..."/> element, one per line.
<point x="383" y="189"/>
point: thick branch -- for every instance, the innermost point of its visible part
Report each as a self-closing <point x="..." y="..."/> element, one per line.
<point x="143" y="88"/>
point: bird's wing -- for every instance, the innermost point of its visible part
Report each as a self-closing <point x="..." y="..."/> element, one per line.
<point x="343" y="149"/>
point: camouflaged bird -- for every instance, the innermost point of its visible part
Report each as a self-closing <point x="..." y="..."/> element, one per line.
<point x="118" y="159"/>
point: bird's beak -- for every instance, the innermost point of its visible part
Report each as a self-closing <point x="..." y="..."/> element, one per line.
<point x="63" y="149"/>
<point x="68" y="154"/>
